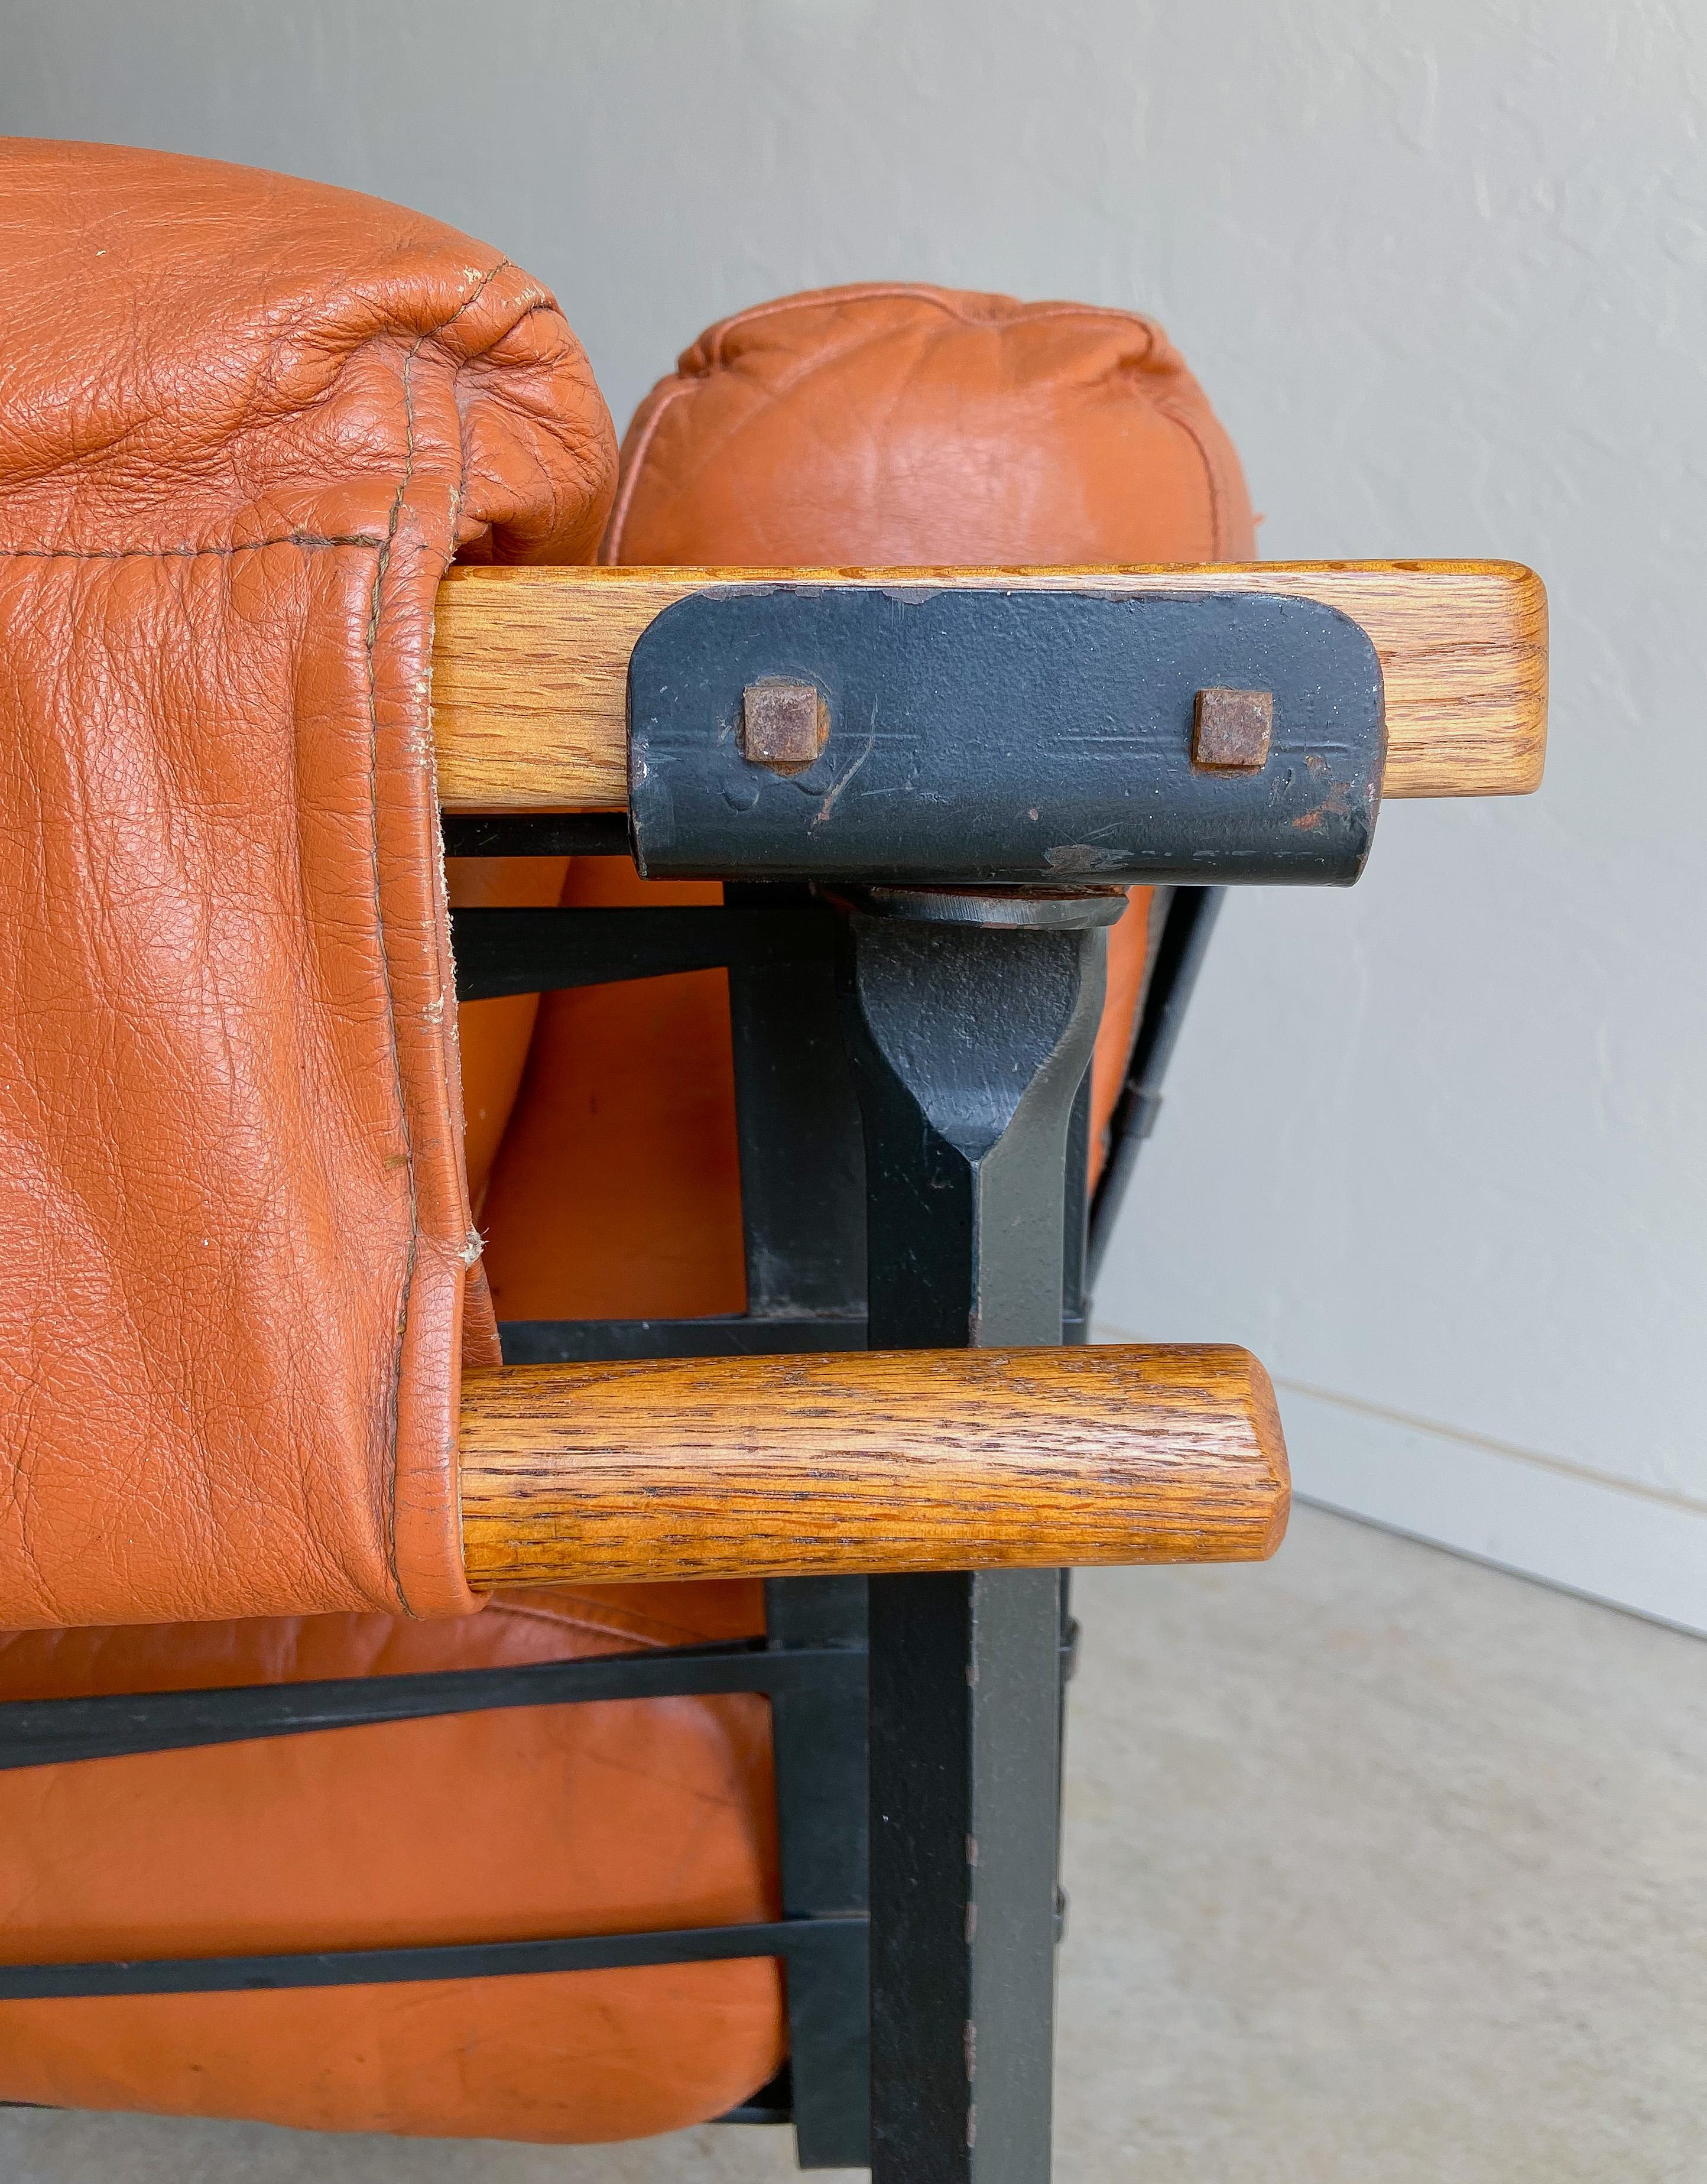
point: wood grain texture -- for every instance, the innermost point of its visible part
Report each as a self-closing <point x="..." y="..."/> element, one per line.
<point x="902" y="1460"/>
<point x="530" y="666"/>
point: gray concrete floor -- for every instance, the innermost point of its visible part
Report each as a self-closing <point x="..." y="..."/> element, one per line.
<point x="1386" y="1869"/>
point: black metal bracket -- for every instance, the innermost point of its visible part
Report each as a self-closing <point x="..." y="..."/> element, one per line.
<point x="1021" y="737"/>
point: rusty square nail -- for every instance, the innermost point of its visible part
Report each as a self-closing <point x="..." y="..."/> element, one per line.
<point x="783" y="724"/>
<point x="1232" y="728"/>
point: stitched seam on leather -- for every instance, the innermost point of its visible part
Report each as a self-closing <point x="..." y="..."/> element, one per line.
<point x="950" y="305"/>
<point x="950" y="302"/>
<point x="303" y="538"/>
<point x="1212" y="476"/>
<point x="861" y="292"/>
<point x="376" y="597"/>
<point x="628" y="483"/>
<point x="837" y="359"/>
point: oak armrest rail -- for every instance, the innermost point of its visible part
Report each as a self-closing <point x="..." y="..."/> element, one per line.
<point x="869" y="1461"/>
<point x="530" y="664"/>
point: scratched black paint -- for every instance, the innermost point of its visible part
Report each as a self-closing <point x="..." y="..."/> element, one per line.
<point x="1018" y="738"/>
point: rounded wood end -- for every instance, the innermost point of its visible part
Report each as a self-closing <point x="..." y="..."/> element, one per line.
<point x="1271" y="1443"/>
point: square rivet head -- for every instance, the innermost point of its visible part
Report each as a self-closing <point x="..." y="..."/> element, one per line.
<point x="783" y="723"/>
<point x="1232" y="728"/>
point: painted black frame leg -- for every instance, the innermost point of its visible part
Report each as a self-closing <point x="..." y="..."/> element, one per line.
<point x="819" y="1739"/>
<point x="970" y="1045"/>
<point x="803" y="1213"/>
<point x="965" y="1721"/>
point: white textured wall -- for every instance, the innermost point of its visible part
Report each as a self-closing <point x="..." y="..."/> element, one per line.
<point x="1434" y="1148"/>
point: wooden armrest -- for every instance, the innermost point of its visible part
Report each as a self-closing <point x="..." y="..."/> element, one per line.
<point x="863" y="1461"/>
<point x="530" y="666"/>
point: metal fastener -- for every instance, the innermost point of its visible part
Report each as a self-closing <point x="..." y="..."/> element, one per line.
<point x="783" y="724"/>
<point x="1232" y="728"/>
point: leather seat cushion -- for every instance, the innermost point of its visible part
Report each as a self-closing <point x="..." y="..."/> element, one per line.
<point x="548" y="1821"/>
<point x="616" y="1193"/>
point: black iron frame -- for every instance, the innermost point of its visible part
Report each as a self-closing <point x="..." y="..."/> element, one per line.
<point x="947" y="1818"/>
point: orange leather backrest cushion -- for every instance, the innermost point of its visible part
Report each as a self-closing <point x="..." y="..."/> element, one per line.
<point x="905" y="425"/>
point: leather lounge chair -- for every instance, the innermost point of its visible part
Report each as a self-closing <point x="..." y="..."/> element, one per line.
<point x="545" y="1416"/>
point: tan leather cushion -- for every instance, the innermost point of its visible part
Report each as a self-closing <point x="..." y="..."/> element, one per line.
<point x="616" y="1193"/>
<point x="411" y="391"/>
<point x="893" y="423"/>
<point x="232" y="1165"/>
<point x="479" y="1827"/>
<point x="244" y="423"/>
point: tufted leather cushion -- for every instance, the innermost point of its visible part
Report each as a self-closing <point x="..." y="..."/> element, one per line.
<point x="893" y="424"/>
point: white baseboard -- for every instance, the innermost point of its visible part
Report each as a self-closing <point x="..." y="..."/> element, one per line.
<point x="1631" y="1549"/>
<point x="1631" y="1546"/>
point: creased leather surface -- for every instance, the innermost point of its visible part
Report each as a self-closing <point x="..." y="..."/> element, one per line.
<point x="244" y="423"/>
<point x="897" y="423"/>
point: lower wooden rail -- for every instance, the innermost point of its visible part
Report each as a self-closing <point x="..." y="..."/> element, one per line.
<point x="869" y="1461"/>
